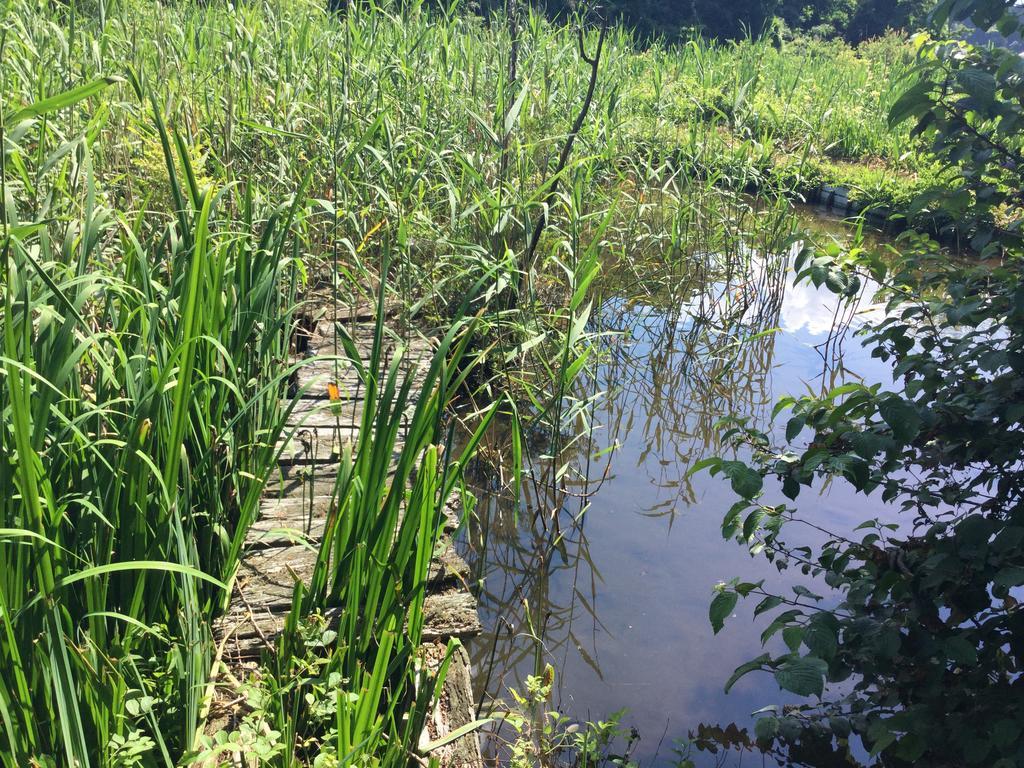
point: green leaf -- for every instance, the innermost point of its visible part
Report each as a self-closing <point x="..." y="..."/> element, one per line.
<point x="804" y="676"/>
<point x="458" y="733"/>
<point x="766" y="729"/>
<point x="772" y="601"/>
<point x="793" y="428"/>
<point x="139" y="565"/>
<point x="784" y="619"/>
<point x="880" y="736"/>
<point x="978" y="84"/>
<point x="721" y="607"/>
<point x="1007" y="24"/>
<point x="61" y="100"/>
<point x="712" y="461"/>
<point x="821" y="640"/>
<point x="910" y="748"/>
<point x="866" y="444"/>
<point x="913" y="102"/>
<point x="790" y="729"/>
<point x="751" y="523"/>
<point x="517" y="107"/>
<point x="1010" y="576"/>
<point x="790" y="487"/>
<point x="746" y="587"/>
<point x="840" y="726"/>
<point x="1006" y="732"/>
<point x="837" y="281"/>
<point x="745" y="481"/>
<point x="743" y="669"/>
<point x="902" y="417"/>
<point x="802" y="258"/>
<point x="960" y="650"/>
<point x="793" y="636"/>
<point x="801" y="591"/>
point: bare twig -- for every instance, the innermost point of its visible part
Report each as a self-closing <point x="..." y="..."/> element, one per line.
<point x="512" y="12"/>
<point x="563" y="159"/>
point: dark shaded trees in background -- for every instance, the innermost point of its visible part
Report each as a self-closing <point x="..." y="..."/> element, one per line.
<point x="853" y="19"/>
<point x="871" y="18"/>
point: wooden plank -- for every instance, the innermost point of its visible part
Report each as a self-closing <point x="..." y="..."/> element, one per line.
<point x="267" y="577"/>
<point x="321" y="305"/>
<point x="281" y="547"/>
<point x="455" y="708"/>
<point x="311" y="445"/>
<point x="301" y="516"/>
<point x="308" y="412"/>
<point x="324" y="363"/>
<point x="317" y="372"/>
<point x="300" y="481"/>
<point x="316" y="445"/>
<point x="250" y="629"/>
<point x="295" y="519"/>
<point x="450" y="614"/>
<point x="321" y="341"/>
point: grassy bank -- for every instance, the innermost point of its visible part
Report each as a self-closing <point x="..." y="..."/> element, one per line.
<point x="791" y="117"/>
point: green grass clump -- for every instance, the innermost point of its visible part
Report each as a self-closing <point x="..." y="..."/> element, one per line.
<point x="141" y="401"/>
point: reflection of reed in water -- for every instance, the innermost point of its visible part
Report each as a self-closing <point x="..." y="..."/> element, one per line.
<point x="514" y="559"/>
<point x="678" y="370"/>
<point x="683" y="342"/>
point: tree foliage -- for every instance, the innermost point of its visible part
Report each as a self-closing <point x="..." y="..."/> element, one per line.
<point x="853" y="19"/>
<point x="924" y="629"/>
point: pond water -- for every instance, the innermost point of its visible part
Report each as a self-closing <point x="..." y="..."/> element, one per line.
<point x="620" y="609"/>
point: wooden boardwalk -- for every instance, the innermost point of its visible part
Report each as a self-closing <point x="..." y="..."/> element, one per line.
<point x="281" y="545"/>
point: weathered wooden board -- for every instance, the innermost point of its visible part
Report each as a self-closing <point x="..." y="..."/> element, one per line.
<point x="450" y="711"/>
<point x="289" y="555"/>
<point x="251" y="628"/>
<point x="316" y="445"/>
<point x="307" y="512"/>
<point x="281" y="547"/>
<point x="314" y="372"/>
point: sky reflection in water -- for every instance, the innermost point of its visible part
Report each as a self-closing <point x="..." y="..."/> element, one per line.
<point x="627" y="602"/>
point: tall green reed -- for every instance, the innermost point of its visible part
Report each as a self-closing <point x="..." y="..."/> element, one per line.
<point x="142" y="383"/>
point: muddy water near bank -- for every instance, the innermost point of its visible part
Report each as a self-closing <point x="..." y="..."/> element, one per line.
<point x="620" y="608"/>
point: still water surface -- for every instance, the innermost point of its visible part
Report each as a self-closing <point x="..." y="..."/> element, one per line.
<point x="623" y="606"/>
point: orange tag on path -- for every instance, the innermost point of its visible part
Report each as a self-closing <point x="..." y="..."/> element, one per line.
<point x="333" y="392"/>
